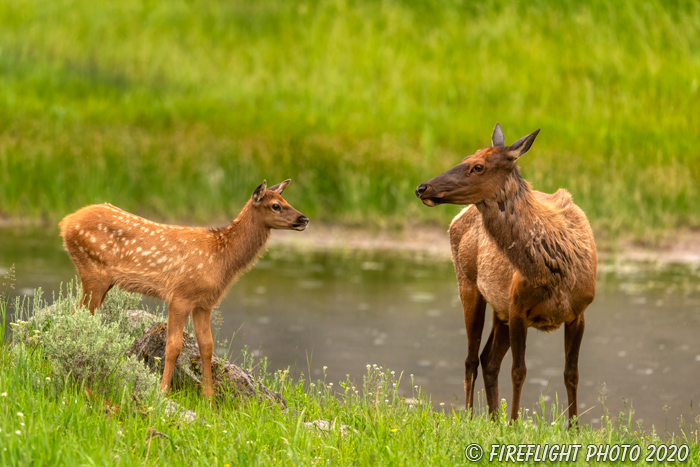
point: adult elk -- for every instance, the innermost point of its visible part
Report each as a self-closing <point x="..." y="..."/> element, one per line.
<point x="528" y="254"/>
<point x="188" y="267"/>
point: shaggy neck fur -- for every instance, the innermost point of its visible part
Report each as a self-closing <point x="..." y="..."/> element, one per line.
<point x="241" y="243"/>
<point x="532" y="234"/>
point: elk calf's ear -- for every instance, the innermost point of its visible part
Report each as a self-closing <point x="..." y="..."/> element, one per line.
<point x="259" y="193"/>
<point x="521" y="146"/>
<point x="279" y="188"/>
<point x="497" y="139"/>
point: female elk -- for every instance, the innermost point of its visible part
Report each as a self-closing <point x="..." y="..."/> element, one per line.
<point x="188" y="267"/>
<point x="528" y="254"/>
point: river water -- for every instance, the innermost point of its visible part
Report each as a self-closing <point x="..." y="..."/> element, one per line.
<point x="344" y="310"/>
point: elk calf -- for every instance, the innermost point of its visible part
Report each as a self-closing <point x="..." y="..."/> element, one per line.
<point x="530" y="255"/>
<point x="188" y="267"/>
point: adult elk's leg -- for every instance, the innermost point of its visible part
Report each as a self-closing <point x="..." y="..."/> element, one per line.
<point x="178" y="311"/>
<point x="573" y="334"/>
<point x="518" y="336"/>
<point x="474" y="309"/>
<point x="496" y="348"/>
<point x="202" y="328"/>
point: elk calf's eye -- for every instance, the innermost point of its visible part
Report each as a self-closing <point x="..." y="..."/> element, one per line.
<point x="477" y="168"/>
<point x="276" y="207"/>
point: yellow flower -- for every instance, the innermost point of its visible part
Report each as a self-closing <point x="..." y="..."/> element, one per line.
<point x="394" y="430"/>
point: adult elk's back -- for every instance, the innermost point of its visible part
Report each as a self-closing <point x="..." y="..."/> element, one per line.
<point x="188" y="267"/>
<point x="528" y="254"/>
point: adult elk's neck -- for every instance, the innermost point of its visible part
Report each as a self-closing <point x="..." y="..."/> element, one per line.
<point x="527" y="232"/>
<point x="242" y="242"/>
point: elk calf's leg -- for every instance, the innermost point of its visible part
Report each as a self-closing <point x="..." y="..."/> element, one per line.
<point x="573" y="334"/>
<point x="202" y="327"/>
<point x="177" y="317"/>
<point x="93" y="294"/>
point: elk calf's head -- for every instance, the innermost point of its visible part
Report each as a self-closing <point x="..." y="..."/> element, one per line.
<point x="274" y="210"/>
<point x="478" y="177"/>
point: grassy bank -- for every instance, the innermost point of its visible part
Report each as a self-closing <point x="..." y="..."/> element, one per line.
<point x="179" y="109"/>
<point x="48" y="418"/>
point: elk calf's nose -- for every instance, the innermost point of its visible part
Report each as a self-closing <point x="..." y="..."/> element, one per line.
<point x="303" y="220"/>
<point x="420" y="190"/>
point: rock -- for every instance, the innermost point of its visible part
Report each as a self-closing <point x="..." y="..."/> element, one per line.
<point x="140" y="316"/>
<point x="229" y="379"/>
<point x="323" y="426"/>
<point x="172" y="409"/>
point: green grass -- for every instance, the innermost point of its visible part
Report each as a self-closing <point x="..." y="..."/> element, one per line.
<point x="42" y="426"/>
<point x="179" y="109"/>
<point x="391" y="421"/>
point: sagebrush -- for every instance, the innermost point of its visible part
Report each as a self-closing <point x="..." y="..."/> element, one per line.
<point x="89" y="350"/>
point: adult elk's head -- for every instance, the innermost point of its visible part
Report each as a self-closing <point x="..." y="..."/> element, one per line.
<point x="478" y="177"/>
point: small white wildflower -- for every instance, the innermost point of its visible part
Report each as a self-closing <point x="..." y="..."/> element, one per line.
<point x="393" y="373"/>
<point x="48" y="379"/>
<point x="325" y="368"/>
<point x="18" y="432"/>
<point x="4" y="394"/>
<point x="21" y="424"/>
<point x="386" y="400"/>
<point x="442" y="404"/>
<point x="330" y="384"/>
<point x="20" y="414"/>
<point x="369" y="366"/>
<point x="208" y="425"/>
<point x="225" y="431"/>
<point x="416" y="386"/>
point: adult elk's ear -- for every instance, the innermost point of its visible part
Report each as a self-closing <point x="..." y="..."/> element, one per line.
<point x="259" y="193"/>
<point x="521" y="146"/>
<point x="279" y="188"/>
<point x="497" y="139"/>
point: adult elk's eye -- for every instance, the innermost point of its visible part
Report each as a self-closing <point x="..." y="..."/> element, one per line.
<point x="276" y="207"/>
<point x="477" y="168"/>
